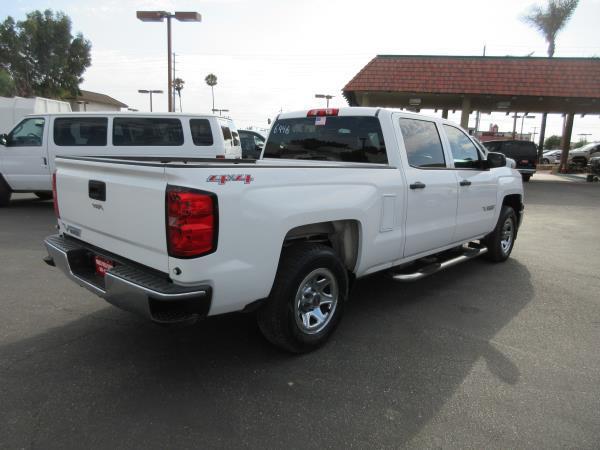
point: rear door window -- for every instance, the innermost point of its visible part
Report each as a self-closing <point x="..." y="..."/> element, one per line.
<point x="80" y="131"/>
<point x="423" y="144"/>
<point x="464" y="152"/>
<point x="142" y="131"/>
<point x="333" y="138"/>
<point x="201" y="132"/>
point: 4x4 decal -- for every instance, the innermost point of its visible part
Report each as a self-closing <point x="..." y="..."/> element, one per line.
<point x="222" y="179"/>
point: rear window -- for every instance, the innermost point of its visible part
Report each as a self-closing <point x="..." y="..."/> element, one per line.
<point x="201" y="132"/>
<point x="516" y="149"/>
<point x="226" y="135"/>
<point x="147" y="131"/>
<point x="337" y="138"/>
<point x="80" y="131"/>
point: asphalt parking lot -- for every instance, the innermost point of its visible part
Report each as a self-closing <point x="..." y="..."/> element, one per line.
<point x="479" y="356"/>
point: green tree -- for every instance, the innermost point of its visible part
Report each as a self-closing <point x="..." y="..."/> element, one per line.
<point x="42" y="56"/>
<point x="552" y="142"/>
<point x="7" y="84"/>
<point x="178" y="86"/>
<point x="551" y="19"/>
<point x="211" y="80"/>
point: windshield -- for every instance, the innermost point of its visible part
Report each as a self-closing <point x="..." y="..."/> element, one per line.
<point x="348" y="139"/>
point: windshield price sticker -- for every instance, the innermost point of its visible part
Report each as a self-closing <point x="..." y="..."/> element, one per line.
<point x="320" y="121"/>
<point x="281" y="129"/>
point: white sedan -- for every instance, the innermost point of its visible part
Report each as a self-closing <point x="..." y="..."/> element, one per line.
<point x="551" y="157"/>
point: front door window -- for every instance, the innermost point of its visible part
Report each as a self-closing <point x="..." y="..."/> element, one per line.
<point x="29" y="133"/>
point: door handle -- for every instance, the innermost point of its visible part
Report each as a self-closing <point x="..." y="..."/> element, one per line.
<point x="465" y="183"/>
<point x="417" y="185"/>
<point x="97" y="190"/>
<point x="44" y="162"/>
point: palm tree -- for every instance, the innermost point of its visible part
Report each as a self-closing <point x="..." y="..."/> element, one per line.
<point x="549" y="21"/>
<point x="178" y="86"/>
<point x="211" y="80"/>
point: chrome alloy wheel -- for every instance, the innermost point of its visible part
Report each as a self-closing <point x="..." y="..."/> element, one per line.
<point x="316" y="300"/>
<point x="507" y="235"/>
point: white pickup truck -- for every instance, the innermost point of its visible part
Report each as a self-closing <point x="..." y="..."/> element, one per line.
<point x="337" y="195"/>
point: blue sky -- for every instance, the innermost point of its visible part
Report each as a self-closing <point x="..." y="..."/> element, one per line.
<point x="276" y="54"/>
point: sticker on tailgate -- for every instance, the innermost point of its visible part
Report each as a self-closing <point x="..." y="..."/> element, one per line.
<point x="222" y="179"/>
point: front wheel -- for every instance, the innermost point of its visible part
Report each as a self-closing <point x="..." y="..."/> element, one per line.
<point x="5" y="192"/>
<point x="501" y="241"/>
<point x="307" y="299"/>
<point x="545" y="161"/>
<point x="526" y="177"/>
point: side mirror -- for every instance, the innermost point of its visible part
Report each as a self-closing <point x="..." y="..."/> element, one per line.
<point x="259" y="147"/>
<point x="3" y="139"/>
<point x="495" y="160"/>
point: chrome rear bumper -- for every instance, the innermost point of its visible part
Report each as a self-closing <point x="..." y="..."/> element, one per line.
<point x="129" y="286"/>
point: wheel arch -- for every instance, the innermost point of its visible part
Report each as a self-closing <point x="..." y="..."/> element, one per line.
<point x="342" y="235"/>
<point x="515" y="201"/>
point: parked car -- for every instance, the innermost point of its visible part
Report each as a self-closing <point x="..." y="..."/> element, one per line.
<point x="252" y="144"/>
<point x="551" y="156"/>
<point x="27" y="153"/>
<point x="581" y="156"/>
<point x="523" y="152"/>
<point x="339" y="194"/>
<point x="594" y="169"/>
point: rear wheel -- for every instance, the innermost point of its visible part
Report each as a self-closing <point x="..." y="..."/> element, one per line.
<point x="526" y="177"/>
<point x="43" y="195"/>
<point x="5" y="192"/>
<point x="500" y="242"/>
<point x="307" y="299"/>
<point x="545" y="161"/>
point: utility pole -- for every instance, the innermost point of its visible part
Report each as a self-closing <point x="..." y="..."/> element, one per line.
<point x="172" y="80"/>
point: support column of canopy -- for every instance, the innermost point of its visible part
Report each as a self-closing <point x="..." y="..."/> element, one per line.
<point x="464" y="114"/>
<point x="566" y="141"/>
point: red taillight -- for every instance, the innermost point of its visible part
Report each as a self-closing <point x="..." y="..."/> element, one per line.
<point x="191" y="222"/>
<point x="55" y="196"/>
<point x="323" y="112"/>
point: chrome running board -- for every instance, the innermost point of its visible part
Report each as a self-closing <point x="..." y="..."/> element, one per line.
<point x="430" y="269"/>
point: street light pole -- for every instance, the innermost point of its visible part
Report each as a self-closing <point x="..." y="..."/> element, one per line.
<point x="169" y="64"/>
<point x="221" y="111"/>
<point x="326" y="97"/>
<point x="150" y="91"/>
<point x="159" y="16"/>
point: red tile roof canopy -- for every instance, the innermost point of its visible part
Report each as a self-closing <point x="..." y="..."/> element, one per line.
<point x="499" y="76"/>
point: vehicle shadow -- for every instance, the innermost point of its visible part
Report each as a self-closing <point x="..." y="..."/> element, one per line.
<point x="401" y="352"/>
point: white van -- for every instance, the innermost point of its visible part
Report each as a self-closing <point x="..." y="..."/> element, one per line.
<point x="27" y="152"/>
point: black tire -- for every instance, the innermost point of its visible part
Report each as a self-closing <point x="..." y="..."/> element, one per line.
<point x="526" y="178"/>
<point x="496" y="240"/>
<point x="545" y="161"/>
<point x="43" y="195"/>
<point x="5" y="192"/>
<point x="280" y="317"/>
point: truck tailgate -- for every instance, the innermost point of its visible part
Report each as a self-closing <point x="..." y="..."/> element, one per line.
<point x="129" y="221"/>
